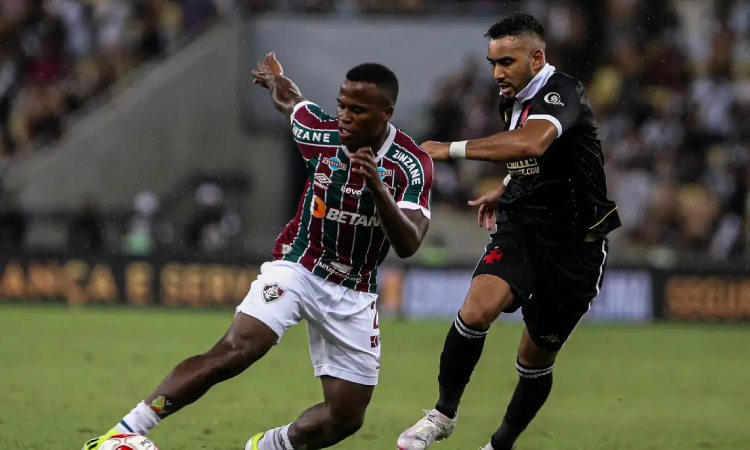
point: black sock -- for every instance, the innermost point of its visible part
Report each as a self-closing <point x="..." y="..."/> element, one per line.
<point x="534" y="386"/>
<point x="461" y="351"/>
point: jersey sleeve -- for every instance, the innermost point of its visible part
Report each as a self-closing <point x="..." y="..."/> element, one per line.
<point x="313" y="129"/>
<point x="416" y="194"/>
<point x="558" y="102"/>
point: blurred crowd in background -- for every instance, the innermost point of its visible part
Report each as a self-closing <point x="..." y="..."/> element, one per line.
<point x="209" y="225"/>
<point x="672" y="98"/>
<point x="57" y="55"/>
<point x="669" y="85"/>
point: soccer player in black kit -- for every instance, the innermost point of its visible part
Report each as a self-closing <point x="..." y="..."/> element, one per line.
<point x="549" y="251"/>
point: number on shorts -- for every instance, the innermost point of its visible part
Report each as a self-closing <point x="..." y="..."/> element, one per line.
<point x="375" y="319"/>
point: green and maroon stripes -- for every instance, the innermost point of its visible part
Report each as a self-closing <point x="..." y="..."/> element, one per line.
<point x="291" y="230"/>
<point x="314" y="225"/>
<point x="314" y="130"/>
<point x="301" y="242"/>
<point x="321" y="243"/>
<point x="418" y="166"/>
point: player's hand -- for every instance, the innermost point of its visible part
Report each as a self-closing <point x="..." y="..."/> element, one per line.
<point x="488" y="207"/>
<point x="364" y="164"/>
<point x="266" y="70"/>
<point x="439" y="151"/>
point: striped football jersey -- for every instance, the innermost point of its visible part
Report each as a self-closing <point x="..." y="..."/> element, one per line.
<point x="336" y="233"/>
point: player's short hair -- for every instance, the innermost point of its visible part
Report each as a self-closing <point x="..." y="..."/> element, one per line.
<point x="380" y="76"/>
<point x="516" y="25"/>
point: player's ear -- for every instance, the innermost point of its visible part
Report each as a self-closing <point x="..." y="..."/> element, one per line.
<point x="537" y="59"/>
<point x="388" y="112"/>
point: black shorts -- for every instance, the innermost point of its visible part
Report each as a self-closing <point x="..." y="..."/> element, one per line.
<point x="554" y="286"/>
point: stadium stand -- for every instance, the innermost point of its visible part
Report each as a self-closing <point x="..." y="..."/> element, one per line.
<point x="668" y="81"/>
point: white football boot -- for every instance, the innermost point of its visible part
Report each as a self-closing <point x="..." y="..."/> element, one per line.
<point x="433" y="427"/>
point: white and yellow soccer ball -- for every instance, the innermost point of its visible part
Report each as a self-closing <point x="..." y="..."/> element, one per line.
<point x="128" y="442"/>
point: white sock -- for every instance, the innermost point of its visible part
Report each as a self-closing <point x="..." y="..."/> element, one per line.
<point x="276" y="439"/>
<point x="139" y="421"/>
<point x="285" y="437"/>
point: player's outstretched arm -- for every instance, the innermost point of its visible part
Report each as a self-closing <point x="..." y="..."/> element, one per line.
<point x="284" y="93"/>
<point x="404" y="228"/>
<point x="557" y="107"/>
<point x="531" y="141"/>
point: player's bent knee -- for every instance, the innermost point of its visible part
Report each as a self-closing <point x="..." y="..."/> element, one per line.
<point x="478" y="316"/>
<point x="531" y="353"/>
<point x="488" y="296"/>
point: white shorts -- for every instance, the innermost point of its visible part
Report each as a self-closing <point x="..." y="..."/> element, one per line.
<point x="342" y="324"/>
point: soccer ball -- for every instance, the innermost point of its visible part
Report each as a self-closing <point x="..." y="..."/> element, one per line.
<point x="128" y="442"/>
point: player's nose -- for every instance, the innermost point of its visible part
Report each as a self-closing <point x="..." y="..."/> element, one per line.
<point x="345" y="118"/>
<point x="499" y="74"/>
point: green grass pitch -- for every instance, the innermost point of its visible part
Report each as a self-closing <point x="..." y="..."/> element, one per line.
<point x="68" y="375"/>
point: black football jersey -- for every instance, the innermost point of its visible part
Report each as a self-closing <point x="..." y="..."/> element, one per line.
<point x="562" y="195"/>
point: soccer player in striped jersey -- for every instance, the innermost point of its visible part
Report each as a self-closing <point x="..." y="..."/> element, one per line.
<point x="368" y="190"/>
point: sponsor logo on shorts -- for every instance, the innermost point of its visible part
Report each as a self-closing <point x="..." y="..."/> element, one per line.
<point x="341" y="267"/>
<point x="552" y="338"/>
<point x="330" y="268"/>
<point x="333" y="163"/>
<point x="492" y="257"/>
<point x="272" y="292"/>
<point x="374" y="341"/>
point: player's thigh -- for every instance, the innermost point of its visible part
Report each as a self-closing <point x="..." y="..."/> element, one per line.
<point x="567" y="284"/>
<point x="345" y="344"/>
<point x="503" y="279"/>
<point x="276" y="297"/>
<point x="246" y="341"/>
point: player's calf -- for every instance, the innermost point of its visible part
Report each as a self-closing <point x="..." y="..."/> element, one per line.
<point x="325" y="424"/>
<point x="534" y="368"/>
<point x="246" y="341"/>
<point x="342" y="415"/>
<point x="487" y="297"/>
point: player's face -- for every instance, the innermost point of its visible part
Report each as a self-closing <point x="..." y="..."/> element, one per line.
<point x="362" y="112"/>
<point x="514" y="62"/>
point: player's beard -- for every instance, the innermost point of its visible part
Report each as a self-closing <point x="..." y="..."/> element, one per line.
<point x="529" y="73"/>
<point x="527" y="77"/>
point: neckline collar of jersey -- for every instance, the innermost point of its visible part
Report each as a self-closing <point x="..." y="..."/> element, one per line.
<point x="536" y="83"/>
<point x="386" y="144"/>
